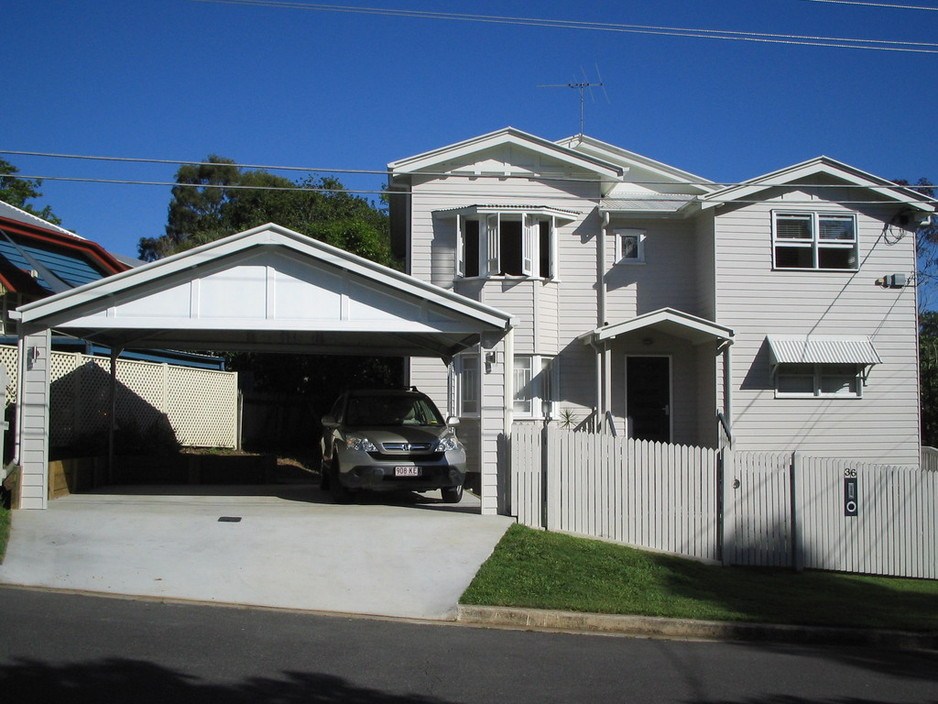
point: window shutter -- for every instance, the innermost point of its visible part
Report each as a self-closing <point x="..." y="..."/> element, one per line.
<point x="554" y="263"/>
<point x="491" y="242"/>
<point x="529" y="241"/>
<point x="460" y="247"/>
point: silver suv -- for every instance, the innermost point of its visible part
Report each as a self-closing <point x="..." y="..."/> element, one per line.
<point x="381" y="440"/>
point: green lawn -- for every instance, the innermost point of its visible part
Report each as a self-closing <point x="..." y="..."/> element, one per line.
<point x="537" y="569"/>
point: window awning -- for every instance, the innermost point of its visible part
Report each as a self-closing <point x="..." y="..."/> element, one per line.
<point x="479" y="209"/>
<point x="821" y="349"/>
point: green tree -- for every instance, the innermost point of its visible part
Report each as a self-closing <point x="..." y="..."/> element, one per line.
<point x="217" y="198"/>
<point x="928" y="376"/>
<point x="16" y="191"/>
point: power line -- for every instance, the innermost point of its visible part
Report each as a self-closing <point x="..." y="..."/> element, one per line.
<point x="887" y="5"/>
<point x="501" y="176"/>
<point x="429" y="192"/>
<point x="691" y="32"/>
<point x="176" y="162"/>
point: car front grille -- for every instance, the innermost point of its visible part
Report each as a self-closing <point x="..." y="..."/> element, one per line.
<point x="398" y="448"/>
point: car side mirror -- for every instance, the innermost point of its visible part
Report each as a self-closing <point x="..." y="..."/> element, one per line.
<point x="452" y="420"/>
<point x="328" y="420"/>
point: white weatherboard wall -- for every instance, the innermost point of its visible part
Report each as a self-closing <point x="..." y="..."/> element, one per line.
<point x="754" y="300"/>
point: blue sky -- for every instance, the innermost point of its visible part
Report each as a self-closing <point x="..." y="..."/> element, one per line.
<point x="267" y="84"/>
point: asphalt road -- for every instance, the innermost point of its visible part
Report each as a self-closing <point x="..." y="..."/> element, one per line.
<point x="72" y="648"/>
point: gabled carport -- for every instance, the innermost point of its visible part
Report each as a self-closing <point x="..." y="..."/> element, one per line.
<point x="265" y="289"/>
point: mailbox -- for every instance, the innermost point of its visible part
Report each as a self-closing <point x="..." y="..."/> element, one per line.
<point x="851" y="500"/>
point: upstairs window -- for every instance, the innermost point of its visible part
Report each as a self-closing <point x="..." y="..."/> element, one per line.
<point x="509" y="242"/>
<point x="630" y="246"/>
<point x="814" y="241"/>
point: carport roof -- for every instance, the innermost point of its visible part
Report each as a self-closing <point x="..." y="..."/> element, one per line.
<point x="268" y="289"/>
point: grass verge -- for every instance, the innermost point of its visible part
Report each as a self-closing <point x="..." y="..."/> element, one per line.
<point x="536" y="569"/>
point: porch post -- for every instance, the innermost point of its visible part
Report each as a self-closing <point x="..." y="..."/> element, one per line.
<point x="728" y="388"/>
<point x="32" y="401"/>
<point x="497" y="360"/>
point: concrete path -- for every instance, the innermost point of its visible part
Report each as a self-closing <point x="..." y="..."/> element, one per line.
<point x="281" y="546"/>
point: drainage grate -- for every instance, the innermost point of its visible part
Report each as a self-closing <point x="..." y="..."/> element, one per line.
<point x="230" y="519"/>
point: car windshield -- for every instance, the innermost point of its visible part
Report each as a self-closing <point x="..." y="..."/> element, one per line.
<point x="391" y="410"/>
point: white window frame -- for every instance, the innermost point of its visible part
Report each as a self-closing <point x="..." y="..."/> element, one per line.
<point x="814" y="240"/>
<point x="535" y="394"/>
<point x="818" y="374"/>
<point x="490" y="240"/>
<point x="467" y="387"/>
<point x="638" y="254"/>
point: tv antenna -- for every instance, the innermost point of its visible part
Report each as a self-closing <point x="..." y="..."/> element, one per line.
<point x="581" y="86"/>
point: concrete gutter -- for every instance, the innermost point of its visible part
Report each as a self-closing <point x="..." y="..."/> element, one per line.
<point x="651" y="627"/>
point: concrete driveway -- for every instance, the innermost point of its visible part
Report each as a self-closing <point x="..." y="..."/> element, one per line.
<point x="281" y="546"/>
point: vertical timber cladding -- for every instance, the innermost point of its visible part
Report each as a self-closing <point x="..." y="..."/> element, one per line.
<point x="33" y="418"/>
<point x="496" y="355"/>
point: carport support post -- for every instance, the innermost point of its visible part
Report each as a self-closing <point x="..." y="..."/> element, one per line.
<point x="32" y="411"/>
<point x="112" y="415"/>
<point x="496" y="416"/>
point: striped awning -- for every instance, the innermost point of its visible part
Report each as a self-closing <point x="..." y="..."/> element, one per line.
<point x="821" y="349"/>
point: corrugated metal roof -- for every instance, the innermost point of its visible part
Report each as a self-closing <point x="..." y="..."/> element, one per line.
<point x="821" y="349"/>
<point x="72" y="266"/>
<point x="660" y="201"/>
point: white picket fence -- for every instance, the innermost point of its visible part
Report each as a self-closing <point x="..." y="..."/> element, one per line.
<point x="653" y="495"/>
<point x="748" y="508"/>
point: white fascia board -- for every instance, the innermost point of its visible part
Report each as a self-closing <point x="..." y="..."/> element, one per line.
<point x="263" y="235"/>
<point x="626" y="159"/>
<point x="819" y="165"/>
<point x="508" y="135"/>
<point x="664" y="315"/>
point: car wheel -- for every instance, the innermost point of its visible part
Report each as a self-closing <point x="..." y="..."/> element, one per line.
<point x="340" y="494"/>
<point x="452" y="495"/>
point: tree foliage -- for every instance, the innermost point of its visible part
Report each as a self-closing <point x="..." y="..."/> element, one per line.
<point x="16" y="191"/>
<point x="218" y="198"/>
<point x="928" y="376"/>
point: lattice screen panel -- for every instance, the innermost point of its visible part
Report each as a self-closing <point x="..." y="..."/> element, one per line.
<point x="201" y="404"/>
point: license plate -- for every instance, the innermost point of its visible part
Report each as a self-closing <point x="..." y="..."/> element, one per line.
<point x="407" y="471"/>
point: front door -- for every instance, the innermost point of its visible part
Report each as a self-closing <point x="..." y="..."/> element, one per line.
<point x="648" y="397"/>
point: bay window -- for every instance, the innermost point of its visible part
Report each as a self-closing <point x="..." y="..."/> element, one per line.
<point x="509" y="241"/>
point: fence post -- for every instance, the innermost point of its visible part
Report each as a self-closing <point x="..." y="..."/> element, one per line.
<point x="727" y="521"/>
<point x="545" y="463"/>
<point x="797" y="543"/>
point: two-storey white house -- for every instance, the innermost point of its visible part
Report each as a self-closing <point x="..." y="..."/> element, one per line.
<point x="777" y="314"/>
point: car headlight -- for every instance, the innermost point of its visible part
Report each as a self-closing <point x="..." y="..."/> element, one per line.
<point x="360" y="444"/>
<point x="447" y="443"/>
